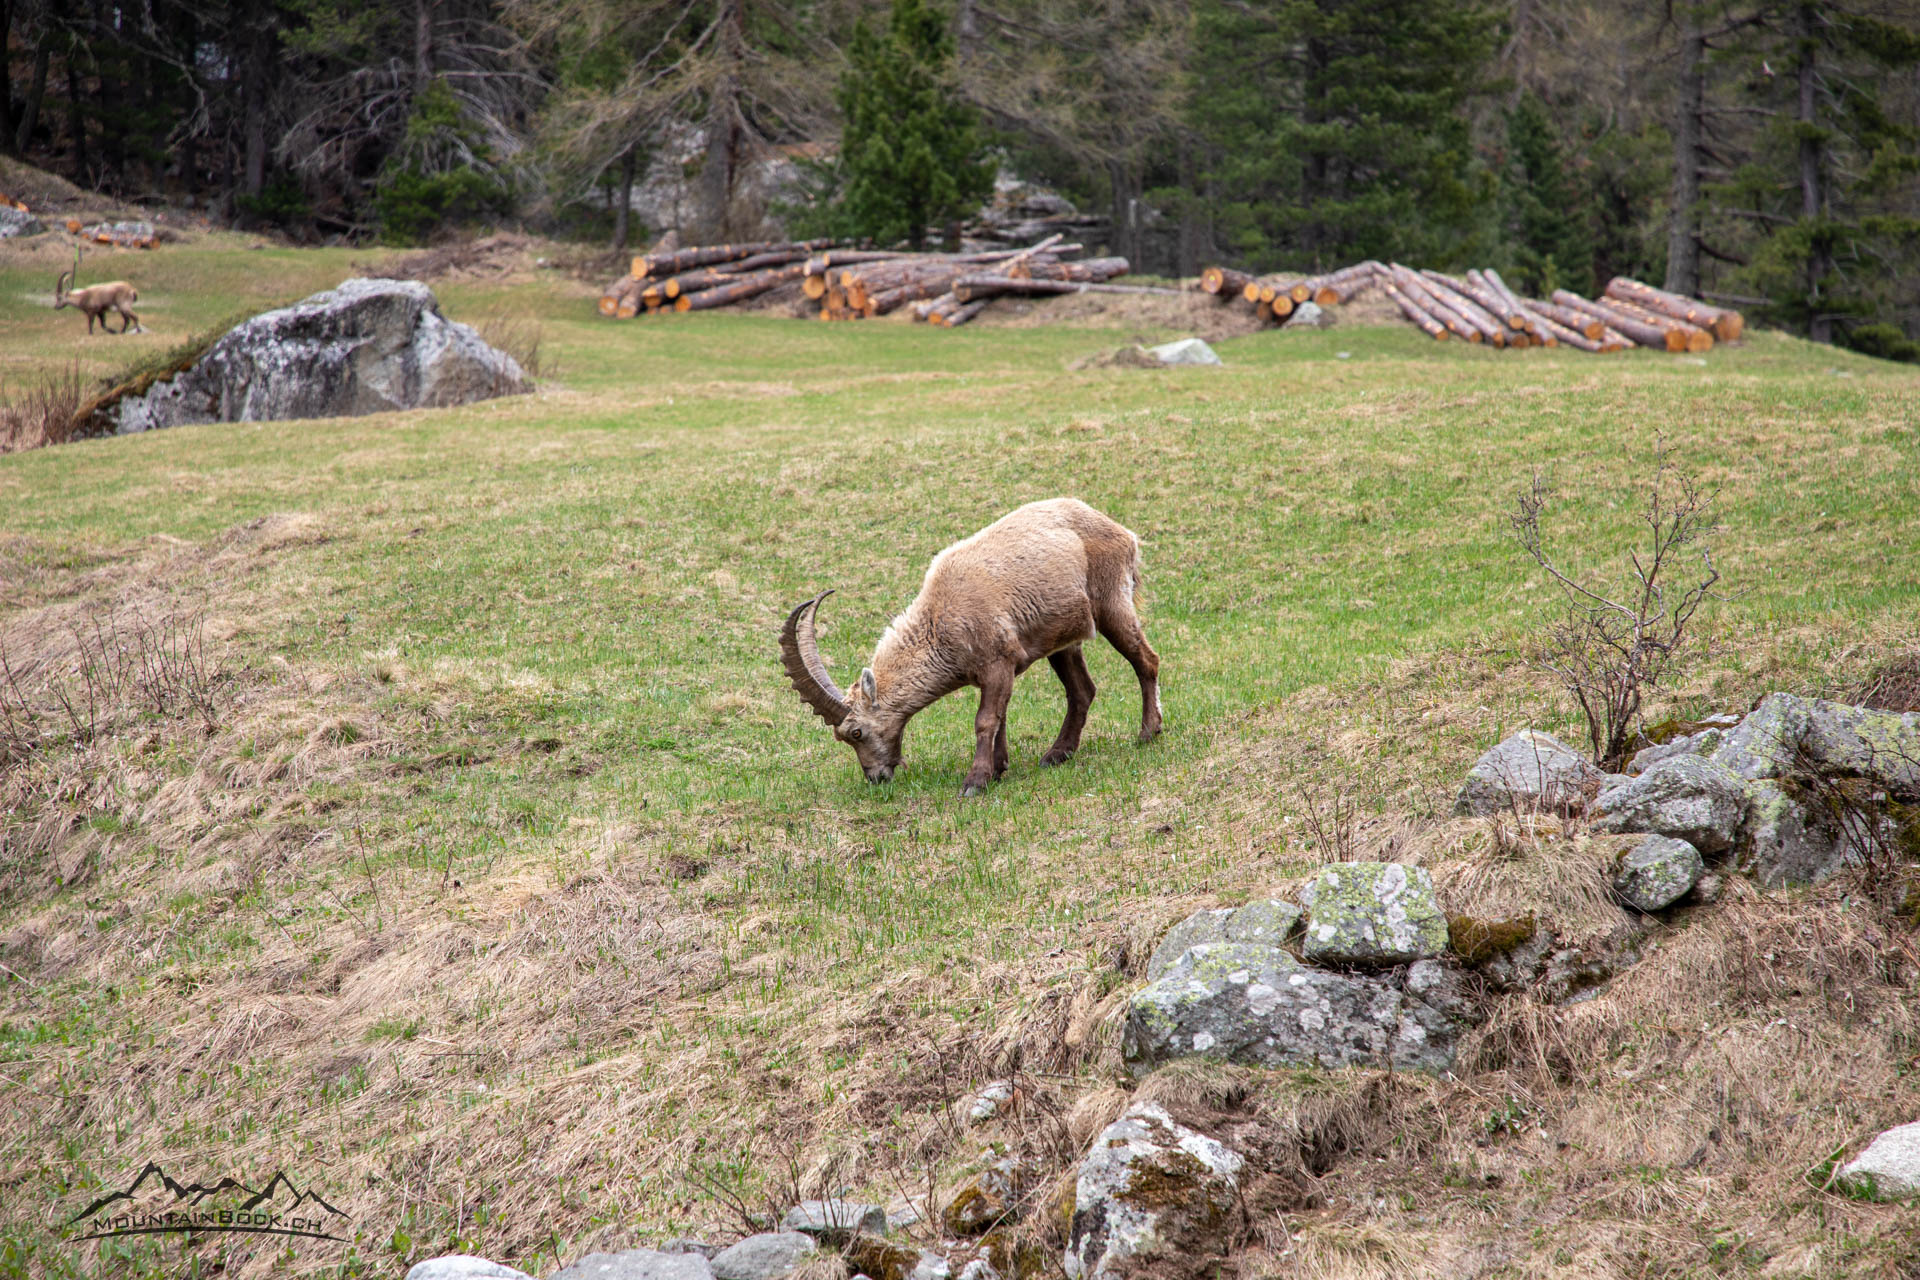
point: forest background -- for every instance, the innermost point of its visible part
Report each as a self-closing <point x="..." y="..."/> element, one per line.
<point x="1764" y="153"/>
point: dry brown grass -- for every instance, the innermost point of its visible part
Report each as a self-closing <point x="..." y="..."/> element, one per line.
<point x="38" y="409"/>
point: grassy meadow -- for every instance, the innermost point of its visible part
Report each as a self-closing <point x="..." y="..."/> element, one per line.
<point x="508" y="894"/>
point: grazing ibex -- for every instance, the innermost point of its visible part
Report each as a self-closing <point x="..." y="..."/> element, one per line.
<point x="1037" y="583"/>
<point x="97" y="299"/>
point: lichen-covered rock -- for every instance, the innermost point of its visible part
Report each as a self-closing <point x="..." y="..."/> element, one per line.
<point x="1785" y="842"/>
<point x="1889" y="1169"/>
<point x="879" y="1259"/>
<point x="462" y="1266"/>
<point x="1703" y="743"/>
<point x="1153" y="1197"/>
<point x="1440" y="986"/>
<point x="1477" y="940"/>
<point x="990" y="1101"/>
<point x="1533" y="772"/>
<point x="1686" y="797"/>
<point x="1267" y="921"/>
<point x="835" y="1219"/>
<point x="1657" y="872"/>
<point x="637" y="1264"/>
<point x="767" y="1256"/>
<point x="369" y="346"/>
<point x="1240" y="1002"/>
<point x="1373" y="915"/>
<point x="15" y="224"/>
<point x="985" y="1199"/>
<point x="1785" y="734"/>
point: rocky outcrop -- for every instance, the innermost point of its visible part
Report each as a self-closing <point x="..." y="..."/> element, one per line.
<point x="462" y="1266"/>
<point x="1373" y="915"/>
<point x="18" y="224"/>
<point x="1531" y="772"/>
<point x="767" y="1256"/>
<point x="1257" y="1005"/>
<point x="1889" y="1169"/>
<point x="834" y="1219"/>
<point x="369" y="346"/>
<point x="1152" y="1197"/>
<point x="1268" y="921"/>
<point x="637" y="1264"/>
<point x="1685" y="797"/>
<point x="1786" y="735"/>
<point x="1657" y="872"/>
<point x="1702" y="743"/>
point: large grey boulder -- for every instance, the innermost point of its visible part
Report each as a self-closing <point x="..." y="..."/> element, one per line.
<point x="767" y="1256"/>
<point x="1686" y="797"/>
<point x="1268" y="921"/>
<point x="463" y="1266"/>
<point x="1889" y="1169"/>
<point x="1532" y="772"/>
<point x="1257" y="1005"/>
<point x="1373" y="915"/>
<point x="369" y="346"/>
<point x="1657" y="872"/>
<point x="835" y="1218"/>
<point x="1152" y="1197"/>
<point x="15" y="224"/>
<point x="1785" y="842"/>
<point x="1785" y="735"/>
<point x="1703" y="743"/>
<point x="637" y="1264"/>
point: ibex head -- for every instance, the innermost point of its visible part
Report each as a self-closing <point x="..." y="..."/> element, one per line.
<point x="856" y="718"/>
<point x="64" y="281"/>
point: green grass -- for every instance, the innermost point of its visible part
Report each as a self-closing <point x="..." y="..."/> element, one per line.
<point x="533" y="643"/>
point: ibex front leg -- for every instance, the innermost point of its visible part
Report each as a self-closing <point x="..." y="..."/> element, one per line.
<point x="989" y="724"/>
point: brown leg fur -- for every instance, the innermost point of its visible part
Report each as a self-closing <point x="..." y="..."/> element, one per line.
<point x="1071" y="666"/>
<point x="1122" y="630"/>
<point x="989" y="727"/>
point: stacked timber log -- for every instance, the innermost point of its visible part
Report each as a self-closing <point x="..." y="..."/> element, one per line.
<point x="944" y="289"/>
<point x="126" y="235"/>
<point x="1479" y="307"/>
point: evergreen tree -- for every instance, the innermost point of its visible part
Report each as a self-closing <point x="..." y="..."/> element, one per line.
<point x="1340" y="125"/>
<point x="1546" y="228"/>
<point x="911" y="151"/>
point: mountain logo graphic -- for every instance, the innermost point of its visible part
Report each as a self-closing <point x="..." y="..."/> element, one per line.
<point x="281" y="1208"/>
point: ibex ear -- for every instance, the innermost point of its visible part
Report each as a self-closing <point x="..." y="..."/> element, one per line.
<point x="866" y="684"/>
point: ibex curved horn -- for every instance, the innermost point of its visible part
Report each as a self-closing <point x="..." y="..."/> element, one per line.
<point x="800" y="654"/>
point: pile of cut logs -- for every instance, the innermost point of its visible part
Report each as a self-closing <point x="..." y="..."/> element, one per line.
<point x="127" y="235"/>
<point x="1480" y="307"/>
<point x="943" y="289"/>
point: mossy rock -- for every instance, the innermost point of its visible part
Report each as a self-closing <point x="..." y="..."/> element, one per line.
<point x="1476" y="940"/>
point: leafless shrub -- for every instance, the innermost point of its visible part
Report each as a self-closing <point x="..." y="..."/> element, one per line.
<point x="1617" y="641"/>
<point x="174" y="673"/>
<point x="1333" y="819"/>
<point x="39" y="409"/>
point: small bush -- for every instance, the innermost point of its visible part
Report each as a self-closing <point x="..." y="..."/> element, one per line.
<point x="39" y="409"/>
<point x="1886" y="341"/>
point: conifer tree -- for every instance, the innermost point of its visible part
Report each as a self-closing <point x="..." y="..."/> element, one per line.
<point x="1551" y="243"/>
<point x="911" y="155"/>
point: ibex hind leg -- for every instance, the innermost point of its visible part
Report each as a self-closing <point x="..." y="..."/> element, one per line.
<point x="1071" y="666"/>
<point x="1122" y="629"/>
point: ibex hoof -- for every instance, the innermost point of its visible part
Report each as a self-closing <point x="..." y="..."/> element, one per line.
<point x="1056" y="757"/>
<point x="973" y="789"/>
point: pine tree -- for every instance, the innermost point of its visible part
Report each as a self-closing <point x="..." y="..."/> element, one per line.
<point x="911" y="155"/>
<point x="1551" y="243"/>
<point x="1340" y="125"/>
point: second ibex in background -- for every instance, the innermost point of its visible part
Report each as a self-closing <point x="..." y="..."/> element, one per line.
<point x="97" y="299"/>
<point x="1037" y="583"/>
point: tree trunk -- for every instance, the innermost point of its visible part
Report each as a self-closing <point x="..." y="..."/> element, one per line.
<point x="36" y="92"/>
<point x="259" y="69"/>
<point x="726" y="127"/>
<point x="77" y="123"/>
<point x="1683" y="219"/>
<point x="623" y="204"/>
<point x="422" y="45"/>
<point x="1813" y="201"/>
<point x="1126" y="209"/>
<point x="6" y="73"/>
